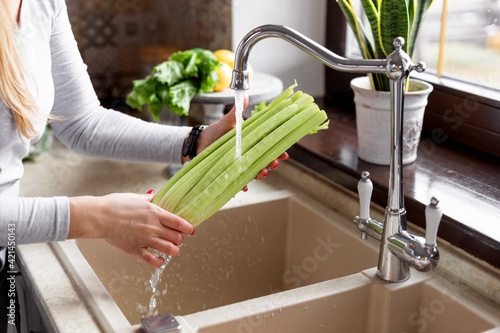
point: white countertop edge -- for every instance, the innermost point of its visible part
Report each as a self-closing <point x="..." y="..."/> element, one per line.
<point x="94" y="293"/>
<point x="55" y="290"/>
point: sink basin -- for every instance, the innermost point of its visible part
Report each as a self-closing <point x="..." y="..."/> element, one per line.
<point x="358" y="303"/>
<point x="272" y="243"/>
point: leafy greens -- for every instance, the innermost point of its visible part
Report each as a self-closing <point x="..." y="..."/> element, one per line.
<point x="174" y="82"/>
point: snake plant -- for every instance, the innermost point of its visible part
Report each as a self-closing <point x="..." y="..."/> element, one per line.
<point x="388" y="19"/>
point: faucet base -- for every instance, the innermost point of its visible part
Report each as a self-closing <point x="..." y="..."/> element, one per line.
<point x="390" y="267"/>
<point x="393" y="269"/>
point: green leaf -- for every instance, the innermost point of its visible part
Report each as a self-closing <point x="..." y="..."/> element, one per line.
<point x="181" y="95"/>
<point x="420" y="11"/>
<point x="261" y="106"/>
<point x="163" y="93"/>
<point x="393" y="23"/>
<point x="371" y="10"/>
<point x="323" y="126"/>
<point x="142" y="92"/>
<point x="208" y="65"/>
<point x="169" y="72"/>
<point x="155" y="107"/>
<point x="355" y="24"/>
<point x="182" y="56"/>
<point x="133" y="100"/>
<point x="370" y="51"/>
<point x="411" y="13"/>
<point x="191" y="67"/>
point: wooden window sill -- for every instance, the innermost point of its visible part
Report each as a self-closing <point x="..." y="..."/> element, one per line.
<point x="466" y="181"/>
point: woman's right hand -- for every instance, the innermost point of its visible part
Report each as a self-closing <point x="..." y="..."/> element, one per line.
<point x="130" y="222"/>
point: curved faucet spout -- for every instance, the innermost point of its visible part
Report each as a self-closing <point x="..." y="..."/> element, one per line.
<point x="398" y="248"/>
<point x="327" y="57"/>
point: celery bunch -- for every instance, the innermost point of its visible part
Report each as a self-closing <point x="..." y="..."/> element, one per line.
<point x="213" y="177"/>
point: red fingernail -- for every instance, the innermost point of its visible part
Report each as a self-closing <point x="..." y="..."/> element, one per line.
<point x="275" y="165"/>
<point x="151" y="192"/>
<point x="286" y="157"/>
<point x="265" y="173"/>
<point x="193" y="232"/>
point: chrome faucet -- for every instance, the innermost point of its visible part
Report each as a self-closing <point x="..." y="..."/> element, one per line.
<point x="398" y="249"/>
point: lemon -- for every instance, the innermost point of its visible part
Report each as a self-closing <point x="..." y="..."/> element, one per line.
<point x="250" y="72"/>
<point x="224" y="73"/>
<point x="225" y="56"/>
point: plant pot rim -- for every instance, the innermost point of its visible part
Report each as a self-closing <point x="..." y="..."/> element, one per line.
<point x="418" y="87"/>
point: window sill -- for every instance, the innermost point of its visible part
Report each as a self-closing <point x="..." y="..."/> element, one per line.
<point x="466" y="181"/>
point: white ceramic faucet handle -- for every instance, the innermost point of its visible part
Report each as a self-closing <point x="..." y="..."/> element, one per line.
<point x="365" y="189"/>
<point x="433" y="216"/>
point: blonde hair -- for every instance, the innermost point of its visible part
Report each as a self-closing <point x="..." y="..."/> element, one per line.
<point x="13" y="88"/>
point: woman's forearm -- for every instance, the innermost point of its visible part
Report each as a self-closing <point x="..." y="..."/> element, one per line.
<point x="36" y="219"/>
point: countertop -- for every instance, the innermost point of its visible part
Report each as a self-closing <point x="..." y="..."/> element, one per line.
<point x="61" y="172"/>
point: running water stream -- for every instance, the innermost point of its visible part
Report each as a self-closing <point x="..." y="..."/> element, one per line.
<point x="153" y="284"/>
<point x="239" y="100"/>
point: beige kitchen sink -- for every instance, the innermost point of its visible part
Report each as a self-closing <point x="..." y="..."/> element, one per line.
<point x="270" y="243"/>
<point x="272" y="260"/>
<point x="357" y="303"/>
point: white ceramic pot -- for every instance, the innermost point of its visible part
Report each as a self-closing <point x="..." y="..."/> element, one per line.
<point x="373" y="120"/>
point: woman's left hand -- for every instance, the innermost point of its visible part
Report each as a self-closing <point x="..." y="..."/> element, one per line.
<point x="224" y="125"/>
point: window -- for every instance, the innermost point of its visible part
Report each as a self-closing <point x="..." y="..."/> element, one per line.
<point x="470" y="50"/>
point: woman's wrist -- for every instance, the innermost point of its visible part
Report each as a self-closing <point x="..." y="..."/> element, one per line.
<point x="82" y="217"/>
<point x="191" y="146"/>
<point x="191" y="143"/>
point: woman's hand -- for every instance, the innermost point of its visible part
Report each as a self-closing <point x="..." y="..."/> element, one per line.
<point x="130" y="222"/>
<point x="221" y="127"/>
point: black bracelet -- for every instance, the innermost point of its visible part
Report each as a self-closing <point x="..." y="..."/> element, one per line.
<point x="192" y="141"/>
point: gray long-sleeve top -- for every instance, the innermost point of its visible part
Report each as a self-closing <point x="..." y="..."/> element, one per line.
<point x="59" y="82"/>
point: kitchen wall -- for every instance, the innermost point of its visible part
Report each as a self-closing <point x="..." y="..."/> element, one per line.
<point x="276" y="56"/>
<point x="119" y="38"/>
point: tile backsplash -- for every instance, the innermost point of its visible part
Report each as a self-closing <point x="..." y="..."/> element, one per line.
<point x="121" y="39"/>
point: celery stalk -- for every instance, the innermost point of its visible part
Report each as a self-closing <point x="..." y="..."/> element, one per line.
<point x="212" y="178"/>
<point x="200" y="164"/>
<point x="206" y="170"/>
<point x="261" y="163"/>
<point x="280" y="101"/>
<point x="232" y="180"/>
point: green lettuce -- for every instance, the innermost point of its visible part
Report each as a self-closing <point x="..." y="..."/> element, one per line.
<point x="175" y="82"/>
